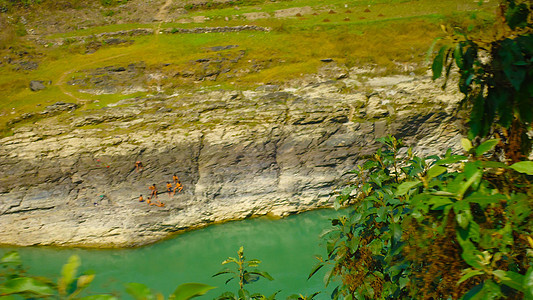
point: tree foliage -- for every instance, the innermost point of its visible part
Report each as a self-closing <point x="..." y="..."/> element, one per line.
<point x="456" y="226"/>
<point x="496" y="76"/>
<point x="437" y="227"/>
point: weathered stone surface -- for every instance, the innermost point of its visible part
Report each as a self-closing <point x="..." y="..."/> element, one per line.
<point x="238" y="154"/>
<point x="36" y="85"/>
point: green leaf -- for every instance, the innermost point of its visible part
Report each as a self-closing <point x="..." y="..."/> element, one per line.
<point x="230" y="260"/>
<point x="467" y="144"/>
<point x="328" y="276"/>
<point x="436" y="171"/>
<point x="11" y="257"/>
<point x="376" y="246"/>
<point x="396" y="233"/>
<point x="444" y="194"/>
<point x="315" y="269"/>
<point x="483" y="199"/>
<point x="337" y="205"/>
<point x="517" y="15"/>
<point x="490" y="290"/>
<point x="438" y="63"/>
<point x="227" y="296"/>
<point x="244" y="294"/>
<point x="470" y="254"/>
<point x="473" y="293"/>
<point x="190" y="290"/>
<point x="439" y="202"/>
<point x="458" y="55"/>
<point x="468" y="274"/>
<point x="472" y="180"/>
<point x="263" y="274"/>
<point x="510" y="279"/>
<point x="528" y="284"/>
<point x="139" y="291"/>
<point x="254" y="262"/>
<point x="473" y="231"/>
<point x="463" y="219"/>
<point x="486" y="146"/>
<point x="68" y="273"/>
<point x="509" y="54"/>
<point x="25" y="285"/>
<point x="85" y="280"/>
<point x="523" y="167"/>
<point x="225" y="271"/>
<point x="99" y="297"/>
<point x="493" y="164"/>
<point x="250" y="277"/>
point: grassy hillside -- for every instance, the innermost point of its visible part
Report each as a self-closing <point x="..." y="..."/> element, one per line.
<point x="56" y="42"/>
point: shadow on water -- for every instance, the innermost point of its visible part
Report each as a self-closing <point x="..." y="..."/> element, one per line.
<point x="286" y="247"/>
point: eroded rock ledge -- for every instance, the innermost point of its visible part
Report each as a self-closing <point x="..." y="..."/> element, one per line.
<point x="238" y="154"/>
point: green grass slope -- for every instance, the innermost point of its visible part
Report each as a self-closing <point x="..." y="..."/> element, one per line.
<point x="386" y="36"/>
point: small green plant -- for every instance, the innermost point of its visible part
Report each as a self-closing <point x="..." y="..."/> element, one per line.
<point x="244" y="275"/>
<point x="108" y="13"/>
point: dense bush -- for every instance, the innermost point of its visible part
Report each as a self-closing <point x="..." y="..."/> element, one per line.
<point x="457" y="226"/>
<point x="496" y="77"/>
<point x="434" y="227"/>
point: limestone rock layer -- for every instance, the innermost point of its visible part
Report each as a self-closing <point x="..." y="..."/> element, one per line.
<point x="70" y="179"/>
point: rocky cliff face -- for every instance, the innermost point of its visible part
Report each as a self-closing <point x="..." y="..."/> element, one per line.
<point x="70" y="178"/>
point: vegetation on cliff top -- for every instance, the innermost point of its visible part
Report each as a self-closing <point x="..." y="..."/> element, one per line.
<point x="382" y="37"/>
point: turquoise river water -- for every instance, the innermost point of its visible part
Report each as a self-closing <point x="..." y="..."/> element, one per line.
<point x="286" y="247"/>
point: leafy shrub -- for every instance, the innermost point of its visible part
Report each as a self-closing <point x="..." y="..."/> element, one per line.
<point x="498" y="89"/>
<point x="434" y="227"/>
<point x="457" y="226"/>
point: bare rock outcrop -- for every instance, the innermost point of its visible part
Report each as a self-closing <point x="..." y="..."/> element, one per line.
<point x="70" y="179"/>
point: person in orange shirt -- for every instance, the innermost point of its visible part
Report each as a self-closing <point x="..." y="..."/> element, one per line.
<point x="178" y="187"/>
<point x="138" y="166"/>
<point x="175" y="178"/>
<point x="157" y="203"/>
<point x="141" y="199"/>
<point x="153" y="190"/>
<point x="169" y="189"/>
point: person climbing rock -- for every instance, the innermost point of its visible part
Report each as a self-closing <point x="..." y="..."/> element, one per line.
<point x="178" y="187"/>
<point x="169" y="189"/>
<point x="157" y="203"/>
<point x="153" y="190"/>
<point x="138" y="166"/>
<point x="141" y="199"/>
<point x="175" y="178"/>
